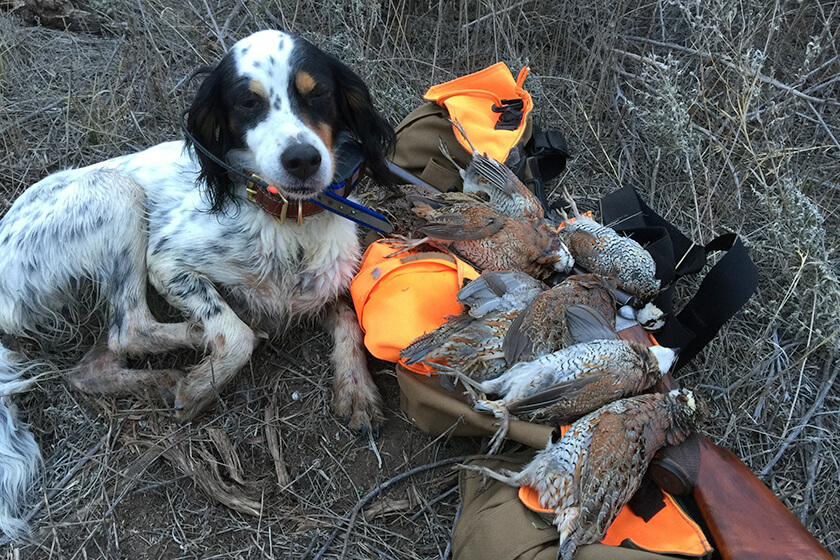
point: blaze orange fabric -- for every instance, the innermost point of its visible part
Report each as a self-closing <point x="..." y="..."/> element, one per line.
<point x="669" y="531"/>
<point x="400" y="298"/>
<point x="470" y="99"/>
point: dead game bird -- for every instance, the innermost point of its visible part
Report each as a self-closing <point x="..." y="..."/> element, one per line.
<point x="566" y="384"/>
<point x="600" y="249"/>
<point x="472" y="340"/>
<point x="542" y="327"/>
<point x="496" y="223"/>
<point x="597" y="466"/>
<point x="583" y="377"/>
<point x="488" y="238"/>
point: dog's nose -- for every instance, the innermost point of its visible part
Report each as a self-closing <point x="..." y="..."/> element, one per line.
<point x="301" y="160"/>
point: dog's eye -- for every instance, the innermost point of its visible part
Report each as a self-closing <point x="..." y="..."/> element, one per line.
<point x="318" y="93"/>
<point x="251" y="102"/>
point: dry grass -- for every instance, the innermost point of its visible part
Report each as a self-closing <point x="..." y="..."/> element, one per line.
<point x="723" y="114"/>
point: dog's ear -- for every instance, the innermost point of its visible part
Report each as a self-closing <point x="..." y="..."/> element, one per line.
<point x="209" y="126"/>
<point x="359" y="116"/>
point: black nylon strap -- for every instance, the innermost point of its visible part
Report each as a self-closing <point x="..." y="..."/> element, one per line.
<point x="541" y="160"/>
<point x="549" y="150"/>
<point x="724" y="290"/>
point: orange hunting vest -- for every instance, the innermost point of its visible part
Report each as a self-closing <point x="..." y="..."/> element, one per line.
<point x="477" y="101"/>
<point x="401" y="297"/>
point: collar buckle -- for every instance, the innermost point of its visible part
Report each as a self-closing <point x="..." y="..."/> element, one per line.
<point x="253" y="185"/>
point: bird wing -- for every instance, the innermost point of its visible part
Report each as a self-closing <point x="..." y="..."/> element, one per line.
<point x="539" y="328"/>
<point x="518" y="344"/>
<point x="459" y="222"/>
<point x="500" y="290"/>
<point x="586" y="324"/>
<point x="565" y="390"/>
<point x="612" y="448"/>
<point x="423" y="344"/>
<point x="507" y="192"/>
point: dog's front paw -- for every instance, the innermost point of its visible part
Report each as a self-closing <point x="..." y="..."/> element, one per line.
<point x="361" y="408"/>
<point x="189" y="402"/>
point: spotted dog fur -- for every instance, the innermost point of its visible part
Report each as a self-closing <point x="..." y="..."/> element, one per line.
<point x="274" y="105"/>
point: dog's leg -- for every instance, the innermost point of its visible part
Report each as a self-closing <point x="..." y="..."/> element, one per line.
<point x="103" y="372"/>
<point x="355" y="396"/>
<point x="229" y="340"/>
<point x="120" y="269"/>
<point x="133" y="330"/>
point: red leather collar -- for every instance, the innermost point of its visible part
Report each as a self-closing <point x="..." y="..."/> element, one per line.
<point x="278" y="206"/>
<point x="271" y="200"/>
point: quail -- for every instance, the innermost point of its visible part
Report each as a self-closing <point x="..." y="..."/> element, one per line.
<point x="600" y="249"/>
<point x="542" y="327"/>
<point x="573" y="381"/>
<point x="471" y="341"/>
<point x="490" y="239"/>
<point x="565" y="401"/>
<point x="597" y="466"/>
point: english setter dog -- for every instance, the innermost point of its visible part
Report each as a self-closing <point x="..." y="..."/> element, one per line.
<point x="275" y="106"/>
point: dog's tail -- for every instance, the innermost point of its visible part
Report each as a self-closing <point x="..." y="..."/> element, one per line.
<point x="20" y="457"/>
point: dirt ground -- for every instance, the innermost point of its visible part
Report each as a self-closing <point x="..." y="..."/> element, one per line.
<point x="723" y="114"/>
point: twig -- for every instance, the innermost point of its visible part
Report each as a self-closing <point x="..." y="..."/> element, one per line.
<point x="805" y="419"/>
<point x="28" y="117"/>
<point x="432" y="502"/>
<point x="275" y="447"/>
<point x="758" y="75"/>
<point x="728" y="161"/>
<point x="812" y="472"/>
<point x="350" y="517"/>
<point x="493" y="14"/>
<point x="66" y="478"/>
<point x="218" y="31"/>
<point x="374" y="448"/>
<point x="825" y="126"/>
<point x="822" y="66"/>
<point x="640" y="58"/>
<point x="233" y="13"/>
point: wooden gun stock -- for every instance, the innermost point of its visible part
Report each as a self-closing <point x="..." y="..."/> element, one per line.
<point x="746" y="521"/>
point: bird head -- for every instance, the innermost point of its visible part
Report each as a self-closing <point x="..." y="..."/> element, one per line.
<point x="564" y="260"/>
<point x="665" y="358"/>
<point x="650" y="317"/>
<point x="689" y="410"/>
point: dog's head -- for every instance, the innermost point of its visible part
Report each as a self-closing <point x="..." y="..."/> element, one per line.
<point x="275" y="105"/>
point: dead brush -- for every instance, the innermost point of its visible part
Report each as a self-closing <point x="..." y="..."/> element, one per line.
<point x="723" y="114"/>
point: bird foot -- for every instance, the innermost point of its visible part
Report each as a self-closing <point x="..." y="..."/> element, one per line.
<point x="496" y="408"/>
<point x="571" y="201"/>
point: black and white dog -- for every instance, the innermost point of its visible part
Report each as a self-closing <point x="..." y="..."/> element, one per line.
<point x="171" y="215"/>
